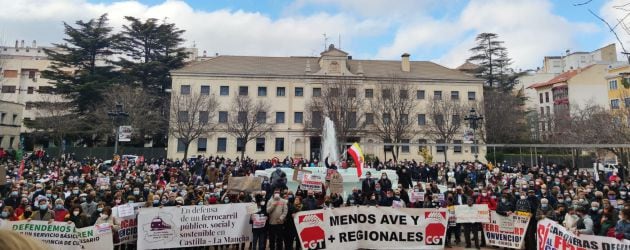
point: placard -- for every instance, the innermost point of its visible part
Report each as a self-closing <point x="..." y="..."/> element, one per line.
<point x="245" y="184"/>
<point x="552" y="235"/>
<point x="125" y="210"/>
<point x="416" y="196"/>
<point x="505" y="231"/>
<point x="259" y="220"/>
<point x="372" y="228"/>
<point x="64" y="236"/>
<point x="192" y="226"/>
<point x="128" y="226"/>
<point x="472" y="214"/>
<point x="336" y="183"/>
<point x="312" y="182"/>
<point x="298" y="174"/>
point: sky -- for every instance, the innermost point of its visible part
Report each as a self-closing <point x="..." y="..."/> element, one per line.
<point x="441" y="31"/>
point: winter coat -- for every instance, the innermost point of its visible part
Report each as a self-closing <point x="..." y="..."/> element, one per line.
<point x="278" y="210"/>
<point x="623" y="227"/>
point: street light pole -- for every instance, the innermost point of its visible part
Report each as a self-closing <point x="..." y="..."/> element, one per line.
<point x="115" y="114"/>
<point x="473" y="119"/>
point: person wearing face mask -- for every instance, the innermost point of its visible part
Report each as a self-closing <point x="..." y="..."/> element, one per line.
<point x="505" y="206"/>
<point x="89" y="204"/>
<point x="404" y="177"/>
<point x="310" y="203"/>
<point x="13" y="200"/>
<point x="77" y="217"/>
<point x="622" y="228"/>
<point x="486" y="198"/>
<point x="8" y="214"/>
<point x="278" y="210"/>
<point x="289" y="225"/>
<point x="596" y="215"/>
<point x="623" y="193"/>
<point x="94" y="216"/>
<point x="43" y="213"/>
<point x="259" y="227"/>
<point x="368" y="186"/>
<point x="584" y="224"/>
<point x="106" y="217"/>
<point x="60" y="211"/>
<point x="545" y="210"/>
<point x="385" y="183"/>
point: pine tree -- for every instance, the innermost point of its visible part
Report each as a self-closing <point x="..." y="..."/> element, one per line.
<point x="494" y="63"/>
<point x="79" y="67"/>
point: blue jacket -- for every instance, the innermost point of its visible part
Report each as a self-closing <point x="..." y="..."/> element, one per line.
<point x="624" y="228"/>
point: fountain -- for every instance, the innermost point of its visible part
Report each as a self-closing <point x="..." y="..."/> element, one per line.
<point x="329" y="142"/>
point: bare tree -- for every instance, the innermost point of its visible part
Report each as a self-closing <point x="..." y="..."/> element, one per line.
<point x="54" y="118"/>
<point x="391" y="107"/>
<point x="138" y="103"/>
<point x="505" y="117"/>
<point x="446" y="120"/>
<point x="341" y="102"/>
<point x="248" y="120"/>
<point x="190" y="117"/>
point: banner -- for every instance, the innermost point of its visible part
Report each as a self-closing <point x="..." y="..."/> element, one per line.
<point x="128" y="231"/>
<point x="311" y="182"/>
<point x="124" y="133"/>
<point x="336" y="183"/>
<point x="506" y="231"/>
<point x="245" y="184"/>
<point x="552" y="235"/>
<point x="372" y="228"/>
<point x="64" y="236"/>
<point x="191" y="226"/>
<point x="472" y="214"/>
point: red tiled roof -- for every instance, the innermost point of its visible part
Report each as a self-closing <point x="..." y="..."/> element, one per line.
<point x="558" y="79"/>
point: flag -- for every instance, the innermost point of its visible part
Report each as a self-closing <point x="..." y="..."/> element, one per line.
<point x="596" y="173"/>
<point x="357" y="156"/>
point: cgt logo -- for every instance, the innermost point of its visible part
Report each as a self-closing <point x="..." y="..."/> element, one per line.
<point x="435" y="231"/>
<point x="312" y="219"/>
<point x="313" y="236"/>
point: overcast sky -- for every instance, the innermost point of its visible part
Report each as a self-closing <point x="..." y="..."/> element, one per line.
<point x="438" y="30"/>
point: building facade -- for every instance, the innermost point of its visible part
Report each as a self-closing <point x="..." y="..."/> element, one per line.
<point x="10" y="124"/>
<point x="288" y="83"/>
<point x="618" y="82"/>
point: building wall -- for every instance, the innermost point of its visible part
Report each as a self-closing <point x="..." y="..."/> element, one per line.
<point x="589" y="87"/>
<point x="296" y="143"/>
<point x="10" y="124"/>
<point x="530" y="93"/>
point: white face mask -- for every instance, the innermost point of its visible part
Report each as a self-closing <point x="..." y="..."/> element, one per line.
<point x="76" y="213"/>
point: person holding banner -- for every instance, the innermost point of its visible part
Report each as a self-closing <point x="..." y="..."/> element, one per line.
<point x="278" y="210"/>
<point x="473" y="228"/>
<point x="43" y="213"/>
<point x="622" y="229"/>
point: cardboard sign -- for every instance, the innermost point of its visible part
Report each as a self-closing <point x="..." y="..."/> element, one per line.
<point x="246" y="184"/>
<point x="312" y="182"/>
<point x="298" y="174"/>
<point x="336" y="183"/>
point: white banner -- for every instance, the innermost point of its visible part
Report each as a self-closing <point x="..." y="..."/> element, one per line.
<point x="472" y="214"/>
<point x="312" y="182"/>
<point x="64" y="236"/>
<point x="124" y="133"/>
<point x="506" y="231"/>
<point x="372" y="228"/>
<point x="552" y="235"/>
<point x="190" y="226"/>
<point x="128" y="232"/>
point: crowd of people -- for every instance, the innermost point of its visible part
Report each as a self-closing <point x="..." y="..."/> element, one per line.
<point x="84" y="191"/>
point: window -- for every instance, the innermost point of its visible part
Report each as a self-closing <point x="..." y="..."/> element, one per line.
<point x="352" y="92"/>
<point x="182" y="116"/>
<point x="420" y="94"/>
<point x="240" y="144"/>
<point x="281" y="91"/>
<point x="298" y="117"/>
<point x="422" y="119"/>
<point x="279" y="145"/>
<point x="317" y="92"/>
<point x="437" y="95"/>
<point x="442" y="148"/>
<point x="438" y="119"/>
<point x="403" y="94"/>
<point x="224" y="90"/>
<point x="30" y="90"/>
<point x="317" y="119"/>
<point x="299" y="91"/>
<point x="184" y="90"/>
<point x="203" y="117"/>
<point x="205" y="90"/>
<point x="404" y="119"/>
<point x="472" y="95"/>
<point x="223" y="116"/>
<point x="14" y="119"/>
<point x="279" y="117"/>
<point x="627" y="102"/>
<point x="262" y="91"/>
<point x="614" y="104"/>
<point x="542" y="111"/>
<point x="202" y="144"/>
<point x="612" y="84"/>
<point x="404" y="148"/>
<point x="181" y="147"/>
<point x="261" y="117"/>
<point x="2" y="117"/>
<point x="455" y="95"/>
<point x="243" y="90"/>
<point x="457" y="148"/>
<point x="386" y="94"/>
<point x="29" y="105"/>
<point x="456" y="120"/>
<point x="369" y="93"/>
<point x="369" y="118"/>
<point x="541" y="97"/>
<point x="548" y="109"/>
<point x="11" y="141"/>
<point x="260" y="144"/>
<point x="46" y="89"/>
<point x="8" y="89"/>
<point x="386" y="118"/>
<point x="352" y="119"/>
<point x="547" y="97"/>
<point x="221" y="144"/>
<point x="334" y="92"/>
<point x="241" y="117"/>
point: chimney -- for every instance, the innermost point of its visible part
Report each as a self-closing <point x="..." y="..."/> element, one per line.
<point x="34" y="44"/>
<point x="22" y="44"/>
<point x="406" y="67"/>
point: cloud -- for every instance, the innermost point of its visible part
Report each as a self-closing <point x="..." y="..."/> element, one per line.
<point x="612" y="11"/>
<point x="222" y="31"/>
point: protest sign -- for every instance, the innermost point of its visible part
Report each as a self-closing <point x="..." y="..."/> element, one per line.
<point x="125" y="210"/>
<point x="298" y="174"/>
<point x="246" y="184"/>
<point x="191" y="226"/>
<point x="552" y="235"/>
<point x="416" y="196"/>
<point x="452" y="220"/>
<point x="312" y="182"/>
<point x="472" y="214"/>
<point x="64" y="236"/>
<point x="372" y="228"/>
<point x="259" y="220"/>
<point x="128" y="230"/>
<point x="336" y="183"/>
<point x="506" y="231"/>
<point x="102" y="181"/>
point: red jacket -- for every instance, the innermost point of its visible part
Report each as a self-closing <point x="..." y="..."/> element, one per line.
<point x="60" y="215"/>
<point x="492" y="204"/>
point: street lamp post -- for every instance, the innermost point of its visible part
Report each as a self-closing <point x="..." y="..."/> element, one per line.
<point x="473" y="122"/>
<point x="115" y="114"/>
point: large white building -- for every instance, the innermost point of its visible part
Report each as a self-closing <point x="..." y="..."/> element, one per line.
<point x="289" y="82"/>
